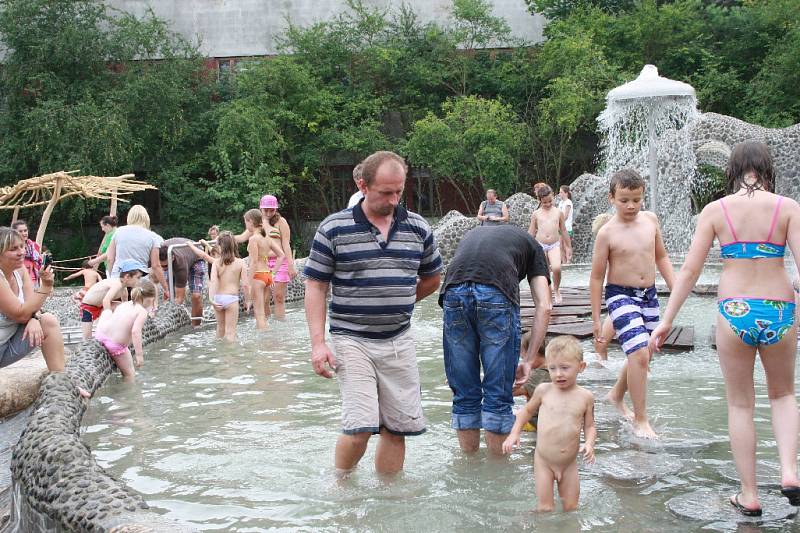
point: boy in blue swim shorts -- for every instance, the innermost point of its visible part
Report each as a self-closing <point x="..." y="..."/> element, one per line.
<point x="627" y="251"/>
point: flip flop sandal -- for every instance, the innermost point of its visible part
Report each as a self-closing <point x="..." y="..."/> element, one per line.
<point x="744" y="510"/>
<point x="792" y="494"/>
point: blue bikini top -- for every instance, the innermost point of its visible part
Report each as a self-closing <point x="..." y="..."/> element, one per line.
<point x="737" y="249"/>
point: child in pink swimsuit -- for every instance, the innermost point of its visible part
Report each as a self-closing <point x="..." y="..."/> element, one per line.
<point x="116" y="329"/>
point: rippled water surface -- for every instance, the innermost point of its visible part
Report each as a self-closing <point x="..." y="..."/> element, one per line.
<point x="241" y="437"/>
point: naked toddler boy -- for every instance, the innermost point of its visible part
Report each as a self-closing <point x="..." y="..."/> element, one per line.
<point x="564" y="409"/>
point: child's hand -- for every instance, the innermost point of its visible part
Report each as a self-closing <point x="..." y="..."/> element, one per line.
<point x="588" y="453"/>
<point x="139" y="361"/>
<point x="597" y="331"/>
<point x="510" y="443"/>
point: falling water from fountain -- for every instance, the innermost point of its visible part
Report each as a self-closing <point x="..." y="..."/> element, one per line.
<point x="641" y="118"/>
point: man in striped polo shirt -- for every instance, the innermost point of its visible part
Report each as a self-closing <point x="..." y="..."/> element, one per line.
<point x="380" y="259"/>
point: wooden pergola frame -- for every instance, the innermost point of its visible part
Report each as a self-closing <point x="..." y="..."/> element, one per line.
<point x="49" y="189"/>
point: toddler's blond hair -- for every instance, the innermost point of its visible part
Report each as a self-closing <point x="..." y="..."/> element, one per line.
<point x="599" y="221"/>
<point x="565" y="346"/>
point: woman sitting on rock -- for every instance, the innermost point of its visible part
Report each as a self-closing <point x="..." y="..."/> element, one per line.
<point x="22" y="326"/>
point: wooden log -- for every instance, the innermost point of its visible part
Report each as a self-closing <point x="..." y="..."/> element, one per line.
<point x="113" y="209"/>
<point x="49" y="210"/>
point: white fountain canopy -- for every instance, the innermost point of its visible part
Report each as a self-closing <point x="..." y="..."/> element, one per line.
<point x="648" y="85"/>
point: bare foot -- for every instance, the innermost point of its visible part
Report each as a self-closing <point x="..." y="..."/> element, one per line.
<point x="790" y="481"/>
<point x="83" y="392"/>
<point x="643" y="430"/>
<point x="621" y="407"/>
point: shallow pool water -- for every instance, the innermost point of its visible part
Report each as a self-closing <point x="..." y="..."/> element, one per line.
<point x="241" y="437"/>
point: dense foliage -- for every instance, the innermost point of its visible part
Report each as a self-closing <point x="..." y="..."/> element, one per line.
<point x="88" y="88"/>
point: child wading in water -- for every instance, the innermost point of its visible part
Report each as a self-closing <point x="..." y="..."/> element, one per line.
<point x="261" y="276"/>
<point x="90" y="277"/>
<point x="228" y="273"/>
<point x="548" y="228"/>
<point x="630" y="247"/>
<point x="102" y="294"/>
<point x="116" y="329"/>
<point x="564" y="408"/>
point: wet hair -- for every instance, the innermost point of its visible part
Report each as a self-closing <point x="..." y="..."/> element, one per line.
<point x="565" y="188"/>
<point x="565" y="346"/>
<point x="86" y="264"/>
<point x="256" y="219"/>
<point x="9" y="238"/>
<point x="543" y="192"/>
<point x="17" y="223"/>
<point x="372" y="163"/>
<point x="627" y="178"/>
<point x="227" y="247"/>
<point x="138" y="216"/>
<point x="357" y="171"/>
<point x="145" y="289"/>
<point x="109" y="220"/>
<point x="536" y="187"/>
<point x="747" y="157"/>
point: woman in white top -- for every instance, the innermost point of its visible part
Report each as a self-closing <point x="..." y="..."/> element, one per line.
<point x="22" y="326"/>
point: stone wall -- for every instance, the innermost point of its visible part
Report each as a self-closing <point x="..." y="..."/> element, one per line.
<point x="57" y="483"/>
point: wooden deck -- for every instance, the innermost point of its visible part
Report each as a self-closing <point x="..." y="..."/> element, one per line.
<point x="573" y="317"/>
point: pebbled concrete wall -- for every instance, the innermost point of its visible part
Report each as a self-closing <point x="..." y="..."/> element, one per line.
<point x="57" y="485"/>
<point x="236" y="28"/>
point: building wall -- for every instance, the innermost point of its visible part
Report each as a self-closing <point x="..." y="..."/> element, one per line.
<point x="238" y="28"/>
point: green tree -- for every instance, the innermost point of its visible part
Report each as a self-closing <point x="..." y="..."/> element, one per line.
<point x="97" y="90"/>
<point x="474" y="139"/>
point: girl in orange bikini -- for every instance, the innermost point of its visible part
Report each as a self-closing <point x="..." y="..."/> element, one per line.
<point x="259" y="249"/>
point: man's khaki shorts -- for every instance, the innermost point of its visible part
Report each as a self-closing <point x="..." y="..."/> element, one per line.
<point x="379" y="382"/>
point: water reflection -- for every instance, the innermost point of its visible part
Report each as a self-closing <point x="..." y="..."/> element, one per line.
<point x="241" y="438"/>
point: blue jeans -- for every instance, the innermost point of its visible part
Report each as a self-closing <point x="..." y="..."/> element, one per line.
<point x="481" y="327"/>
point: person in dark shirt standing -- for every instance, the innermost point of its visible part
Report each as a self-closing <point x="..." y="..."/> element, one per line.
<point x="480" y="297"/>
<point x="188" y="268"/>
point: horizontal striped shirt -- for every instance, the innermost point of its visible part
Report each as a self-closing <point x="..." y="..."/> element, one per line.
<point x="374" y="283"/>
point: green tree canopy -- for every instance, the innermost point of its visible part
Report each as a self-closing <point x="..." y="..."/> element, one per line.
<point x="475" y="138"/>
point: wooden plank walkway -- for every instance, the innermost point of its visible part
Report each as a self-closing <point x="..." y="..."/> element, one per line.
<point x="573" y="317"/>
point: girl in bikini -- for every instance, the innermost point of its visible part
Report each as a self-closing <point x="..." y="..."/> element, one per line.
<point x="116" y="329"/>
<point x="547" y="227"/>
<point x="228" y="273"/>
<point x="259" y="249"/>
<point x="756" y="311"/>
<point x="278" y="231"/>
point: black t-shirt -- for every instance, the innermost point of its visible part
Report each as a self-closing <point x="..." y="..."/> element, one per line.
<point x="501" y="256"/>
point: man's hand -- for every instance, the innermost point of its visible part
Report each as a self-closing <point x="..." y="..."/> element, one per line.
<point x="322" y="360"/>
<point x="523" y="371"/>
